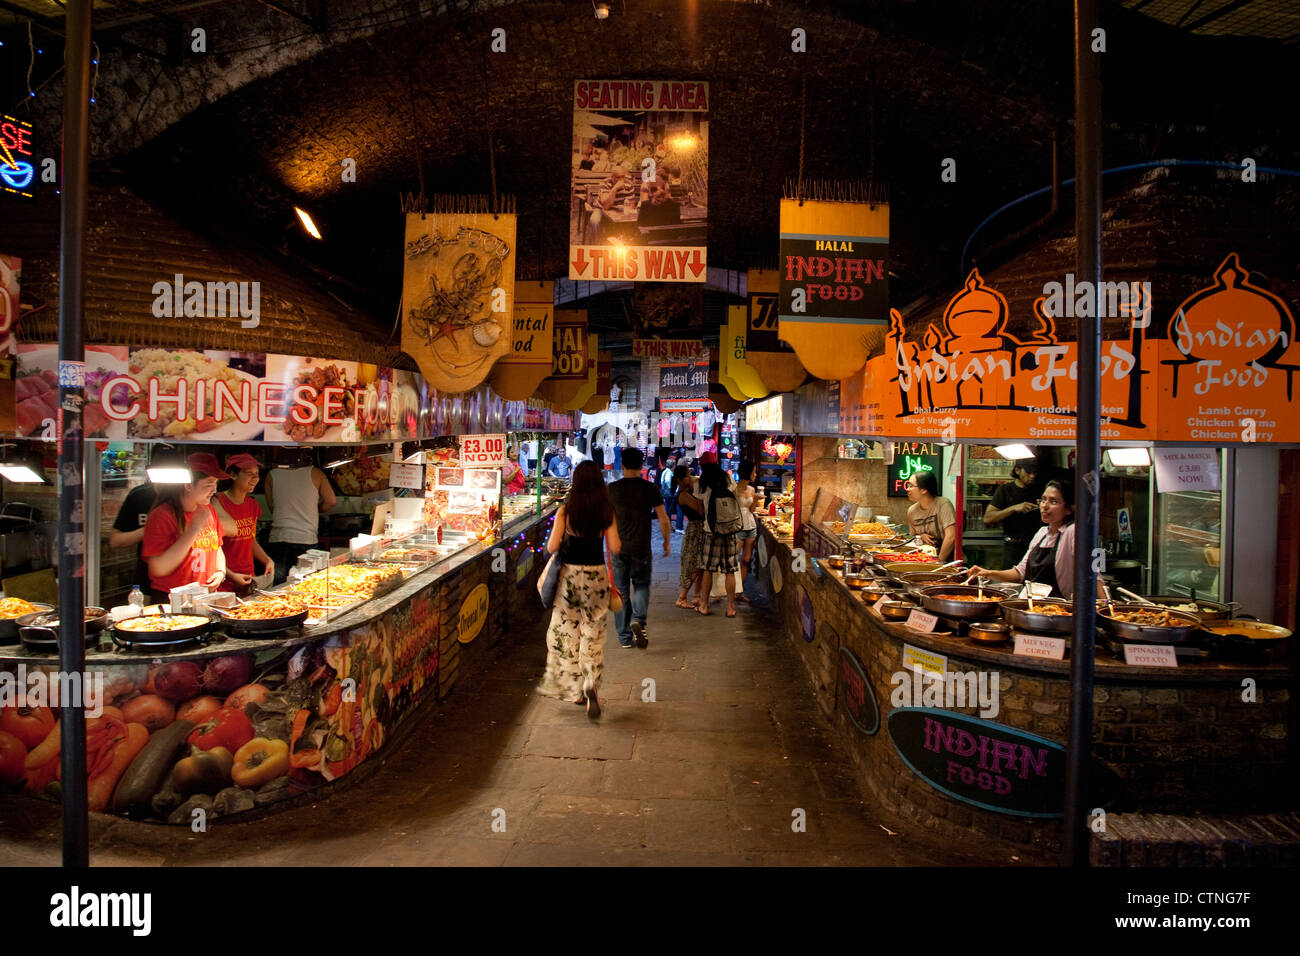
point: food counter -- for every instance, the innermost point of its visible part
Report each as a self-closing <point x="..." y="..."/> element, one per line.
<point x="246" y="720"/>
<point x="980" y="755"/>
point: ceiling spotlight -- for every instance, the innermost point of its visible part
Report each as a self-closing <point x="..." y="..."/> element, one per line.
<point x="307" y="222"/>
<point x="601" y="9"/>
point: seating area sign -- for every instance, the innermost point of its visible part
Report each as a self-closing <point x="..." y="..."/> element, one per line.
<point x="639" y="197"/>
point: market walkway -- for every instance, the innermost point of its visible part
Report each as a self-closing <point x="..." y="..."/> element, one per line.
<point x="711" y="772"/>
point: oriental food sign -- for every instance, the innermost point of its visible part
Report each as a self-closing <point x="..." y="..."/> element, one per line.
<point x="980" y="762"/>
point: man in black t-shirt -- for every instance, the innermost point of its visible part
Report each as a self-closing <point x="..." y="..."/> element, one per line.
<point x="128" y="528"/>
<point x="635" y="500"/>
<point x="1014" y="508"/>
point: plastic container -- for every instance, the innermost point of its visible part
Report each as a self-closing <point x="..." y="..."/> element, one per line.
<point x="136" y="597"/>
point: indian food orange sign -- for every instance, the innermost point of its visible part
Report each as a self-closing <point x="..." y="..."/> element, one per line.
<point x="1228" y="364"/>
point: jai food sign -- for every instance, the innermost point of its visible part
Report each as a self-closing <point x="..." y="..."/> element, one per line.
<point x="981" y="763"/>
<point x="473" y="613"/>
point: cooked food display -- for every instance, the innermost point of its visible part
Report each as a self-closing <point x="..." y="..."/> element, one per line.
<point x="998" y="596"/>
<point x="267" y="608"/>
<point x="415" y="555"/>
<point x="361" y="476"/>
<point x="158" y="623"/>
<point x="1052" y="610"/>
<point x="1153" y="618"/>
<point x="16" y="607"/>
<point x="352" y="582"/>
<point x="902" y="557"/>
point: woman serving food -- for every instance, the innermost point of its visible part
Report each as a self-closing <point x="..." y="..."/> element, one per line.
<point x="182" y="536"/>
<point x="1050" y="558"/>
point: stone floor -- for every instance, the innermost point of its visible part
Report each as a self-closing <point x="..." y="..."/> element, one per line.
<point x="712" y="772"/>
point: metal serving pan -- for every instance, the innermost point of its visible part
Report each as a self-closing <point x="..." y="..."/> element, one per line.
<point x="9" y="625"/>
<point x="933" y="597"/>
<point x="162" y="637"/>
<point x="1180" y="633"/>
<point x="1018" y="614"/>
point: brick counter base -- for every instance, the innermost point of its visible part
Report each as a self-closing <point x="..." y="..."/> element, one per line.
<point x="1144" y="839"/>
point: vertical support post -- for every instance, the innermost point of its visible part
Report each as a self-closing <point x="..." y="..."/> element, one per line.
<point x="1087" y="227"/>
<point x="72" y="540"/>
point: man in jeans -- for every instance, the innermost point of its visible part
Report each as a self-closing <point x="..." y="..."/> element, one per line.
<point x="635" y="499"/>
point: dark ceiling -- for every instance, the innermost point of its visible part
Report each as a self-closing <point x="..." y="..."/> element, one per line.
<point x="229" y="140"/>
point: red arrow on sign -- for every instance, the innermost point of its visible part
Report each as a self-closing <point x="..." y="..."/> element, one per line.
<point x="580" y="263"/>
<point x="695" y="265"/>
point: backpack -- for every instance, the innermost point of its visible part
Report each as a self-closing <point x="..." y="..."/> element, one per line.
<point x="724" y="514"/>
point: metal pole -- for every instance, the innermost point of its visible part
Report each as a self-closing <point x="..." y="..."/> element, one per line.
<point x="1087" y="227"/>
<point x="72" y="534"/>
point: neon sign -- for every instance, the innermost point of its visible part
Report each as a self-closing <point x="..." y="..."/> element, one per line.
<point x="16" y="169"/>
<point x="911" y="459"/>
<point x="912" y="465"/>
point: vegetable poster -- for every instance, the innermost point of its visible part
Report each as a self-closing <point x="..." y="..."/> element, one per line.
<point x="458" y="289"/>
<point x="639" y="196"/>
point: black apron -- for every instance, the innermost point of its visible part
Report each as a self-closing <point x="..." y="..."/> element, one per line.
<point x="1041" y="567"/>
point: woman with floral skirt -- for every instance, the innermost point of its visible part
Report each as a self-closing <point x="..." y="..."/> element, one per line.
<point x="575" y="639"/>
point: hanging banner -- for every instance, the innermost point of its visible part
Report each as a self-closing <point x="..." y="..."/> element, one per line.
<point x="458" y="295"/>
<point x="834" y="297"/>
<point x="517" y="375"/>
<point x="639" y="186"/>
<point x="969" y="378"/>
<point x="570" y="362"/>
<point x="684" y="380"/>
<point x="599" y="401"/>
<point x="1228" y="364"/>
<point x="670" y="349"/>
<point x="729" y="384"/>
<point x="773" y="359"/>
<point x="738" y="367"/>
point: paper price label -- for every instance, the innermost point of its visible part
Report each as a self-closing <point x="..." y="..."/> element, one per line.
<point x="482" y="450"/>
<point x="1050" y="648"/>
<point x="1150" y="655"/>
<point x="920" y="620"/>
<point x="406" y="476"/>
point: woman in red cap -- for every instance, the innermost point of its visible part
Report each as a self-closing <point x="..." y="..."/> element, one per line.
<point x="182" y="536"/>
<point x="238" y="513"/>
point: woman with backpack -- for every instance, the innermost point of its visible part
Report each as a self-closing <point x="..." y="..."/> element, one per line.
<point x="575" y="656"/>
<point x="722" y="523"/>
<point x="690" y="507"/>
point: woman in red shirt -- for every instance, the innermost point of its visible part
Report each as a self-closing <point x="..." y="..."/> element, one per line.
<point x="238" y="513"/>
<point x="182" y="536"/>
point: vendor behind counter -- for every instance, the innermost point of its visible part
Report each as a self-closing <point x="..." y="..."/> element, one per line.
<point x="182" y="535"/>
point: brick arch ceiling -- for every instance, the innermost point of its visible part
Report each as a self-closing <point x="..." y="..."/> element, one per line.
<point x="428" y="91"/>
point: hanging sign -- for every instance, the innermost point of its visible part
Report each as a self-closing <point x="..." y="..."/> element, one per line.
<point x="516" y="376"/>
<point x="458" y="295"/>
<point x="482" y="451"/>
<point x="640" y="181"/>
<point x="834" y="295"/>
<point x="980" y="762"/>
<point x="910" y="459"/>
<point x="734" y="347"/>
<point x="571" y="359"/>
<point x="772" y="414"/>
<point x="771" y="357"/>
<point x="687" y="380"/>
<point x="402" y="475"/>
<point x="1229" y="364"/>
<point x="671" y="349"/>
<point x="1186" y="469"/>
<point x="967" y="377"/>
<point x="17" y="169"/>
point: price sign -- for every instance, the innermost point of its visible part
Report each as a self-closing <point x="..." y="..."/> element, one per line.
<point x="406" y="476"/>
<point x="919" y="620"/>
<point x="1150" y="655"/>
<point x="477" y="451"/>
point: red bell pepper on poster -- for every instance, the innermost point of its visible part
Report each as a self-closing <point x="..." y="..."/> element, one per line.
<point x="227" y="728"/>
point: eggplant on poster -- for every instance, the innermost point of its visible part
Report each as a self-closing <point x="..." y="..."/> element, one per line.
<point x="640" y="181"/>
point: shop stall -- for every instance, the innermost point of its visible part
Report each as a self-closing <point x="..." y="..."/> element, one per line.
<point x="224" y="706"/>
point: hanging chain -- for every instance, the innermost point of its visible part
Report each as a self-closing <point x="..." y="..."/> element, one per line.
<point x="803" y="131"/>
